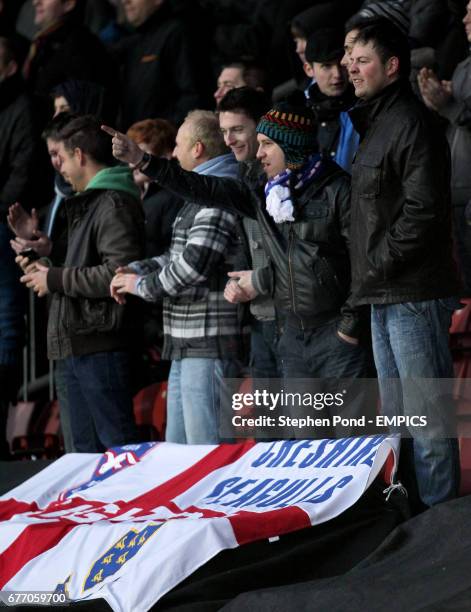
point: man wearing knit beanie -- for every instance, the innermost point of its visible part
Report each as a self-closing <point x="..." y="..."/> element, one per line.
<point x="292" y="128"/>
<point x="303" y="209"/>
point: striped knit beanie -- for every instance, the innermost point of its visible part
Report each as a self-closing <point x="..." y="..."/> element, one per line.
<point x="293" y="129"/>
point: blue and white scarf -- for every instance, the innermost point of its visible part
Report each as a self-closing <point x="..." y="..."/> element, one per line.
<point x="278" y="194"/>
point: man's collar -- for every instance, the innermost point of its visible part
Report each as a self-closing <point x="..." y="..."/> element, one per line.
<point x="366" y="111"/>
<point x="326" y="105"/>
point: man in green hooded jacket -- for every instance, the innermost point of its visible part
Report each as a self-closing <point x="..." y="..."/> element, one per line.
<point x="86" y="328"/>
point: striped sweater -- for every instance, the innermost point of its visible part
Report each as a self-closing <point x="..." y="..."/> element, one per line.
<point x="191" y="277"/>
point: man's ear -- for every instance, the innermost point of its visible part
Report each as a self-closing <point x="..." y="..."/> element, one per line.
<point x="79" y="156"/>
<point x="308" y="69"/>
<point x="198" y="149"/>
<point x="392" y="66"/>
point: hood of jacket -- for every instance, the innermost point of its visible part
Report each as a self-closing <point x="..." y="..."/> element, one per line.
<point x="222" y="166"/>
<point x="116" y="178"/>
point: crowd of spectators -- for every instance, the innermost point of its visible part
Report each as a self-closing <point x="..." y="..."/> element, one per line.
<point x="140" y="252"/>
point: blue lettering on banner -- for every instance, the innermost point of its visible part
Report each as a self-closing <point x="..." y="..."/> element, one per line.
<point x="294" y="489"/>
<point x="275" y="494"/>
<point x="278" y="493"/>
<point x="338" y="449"/>
<point x="327" y="494"/>
<point x="366" y="454"/>
<point x="328" y="453"/>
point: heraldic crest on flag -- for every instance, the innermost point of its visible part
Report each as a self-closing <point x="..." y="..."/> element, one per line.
<point x="129" y="525"/>
<point x="120" y="553"/>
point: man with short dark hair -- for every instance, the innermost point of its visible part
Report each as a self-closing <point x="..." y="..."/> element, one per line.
<point x="401" y="249"/>
<point x="86" y="329"/>
<point x="239" y="74"/>
<point x="239" y="113"/>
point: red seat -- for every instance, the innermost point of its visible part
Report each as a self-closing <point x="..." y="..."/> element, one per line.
<point x="150" y="410"/>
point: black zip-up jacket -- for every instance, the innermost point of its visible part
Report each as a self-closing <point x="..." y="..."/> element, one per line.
<point x="327" y="111"/>
<point x="400" y="228"/>
<point x="309" y="268"/>
<point x="105" y="230"/>
<point x="158" y="73"/>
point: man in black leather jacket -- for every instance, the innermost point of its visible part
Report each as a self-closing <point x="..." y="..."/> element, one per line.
<point x="401" y="250"/>
<point x="303" y="211"/>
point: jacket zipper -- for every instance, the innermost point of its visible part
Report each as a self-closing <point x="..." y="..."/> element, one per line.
<point x="290" y="268"/>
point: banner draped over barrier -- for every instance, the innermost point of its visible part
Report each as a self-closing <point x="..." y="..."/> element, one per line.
<point x="129" y="525"/>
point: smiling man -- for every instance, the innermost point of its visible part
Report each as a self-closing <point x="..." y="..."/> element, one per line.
<point x="302" y="204"/>
<point x="239" y="113"/>
<point x="401" y="247"/>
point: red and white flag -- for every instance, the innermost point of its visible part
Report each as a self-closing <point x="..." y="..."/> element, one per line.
<point x="129" y="525"/>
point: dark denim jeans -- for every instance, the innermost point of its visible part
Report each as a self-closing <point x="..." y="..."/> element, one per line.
<point x="264" y="360"/>
<point x="100" y="401"/>
<point x="410" y="345"/>
<point x="321" y="357"/>
<point x="60" y="379"/>
<point x="321" y="353"/>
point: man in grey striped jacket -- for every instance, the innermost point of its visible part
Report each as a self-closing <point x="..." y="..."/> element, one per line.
<point x="203" y="333"/>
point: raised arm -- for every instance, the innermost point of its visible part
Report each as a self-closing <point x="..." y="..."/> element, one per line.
<point x="207" y="191"/>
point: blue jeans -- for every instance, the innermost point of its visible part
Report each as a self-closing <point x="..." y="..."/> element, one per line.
<point x="100" y="401"/>
<point x="410" y="343"/>
<point x="195" y="385"/>
<point x="264" y="362"/>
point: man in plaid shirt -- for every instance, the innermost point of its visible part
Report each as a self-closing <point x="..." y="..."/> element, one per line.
<point x="203" y="333"/>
